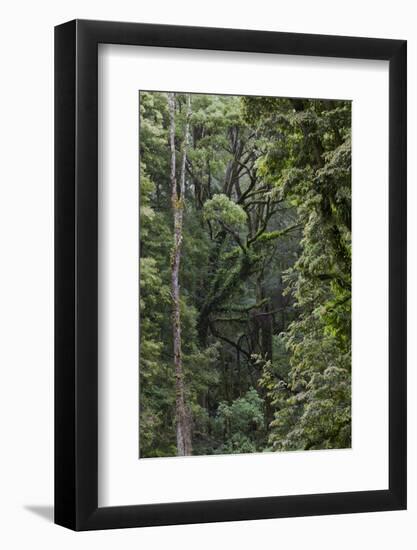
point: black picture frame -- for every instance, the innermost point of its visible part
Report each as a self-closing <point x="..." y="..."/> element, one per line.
<point x="76" y="272"/>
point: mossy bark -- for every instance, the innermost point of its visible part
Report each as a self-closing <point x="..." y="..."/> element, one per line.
<point x="183" y="418"/>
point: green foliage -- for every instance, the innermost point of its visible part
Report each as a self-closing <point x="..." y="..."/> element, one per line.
<point x="241" y="424"/>
<point x="265" y="274"/>
<point x="316" y="417"/>
<point x="220" y="208"/>
<point x="314" y="176"/>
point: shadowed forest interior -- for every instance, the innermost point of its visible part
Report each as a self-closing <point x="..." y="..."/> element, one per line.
<point x="245" y="274"/>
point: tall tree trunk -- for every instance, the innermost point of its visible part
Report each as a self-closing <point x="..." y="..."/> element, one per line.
<point x="183" y="419"/>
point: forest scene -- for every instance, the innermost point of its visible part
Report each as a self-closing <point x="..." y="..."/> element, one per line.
<point x="245" y="274"/>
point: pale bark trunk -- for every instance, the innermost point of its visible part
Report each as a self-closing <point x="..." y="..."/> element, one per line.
<point x="183" y="420"/>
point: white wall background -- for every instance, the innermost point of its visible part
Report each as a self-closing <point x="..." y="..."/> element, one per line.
<point x="26" y="272"/>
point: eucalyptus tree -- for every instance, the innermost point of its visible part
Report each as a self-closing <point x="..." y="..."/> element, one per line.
<point x="183" y="420"/>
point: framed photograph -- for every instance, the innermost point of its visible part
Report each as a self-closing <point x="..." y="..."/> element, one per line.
<point x="230" y="253"/>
